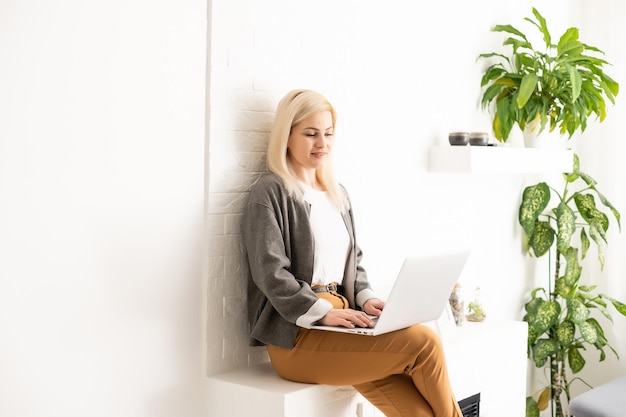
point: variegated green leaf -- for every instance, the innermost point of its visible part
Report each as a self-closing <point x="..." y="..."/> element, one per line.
<point x="608" y="204"/>
<point x="565" y="333"/>
<point x="575" y="359"/>
<point x="574" y="175"/>
<point x="544" y="348"/>
<point x="597" y="235"/>
<point x="577" y="310"/>
<point x="540" y="363"/>
<point x="598" y="303"/>
<point x="531" y="308"/>
<point x="619" y="306"/>
<point x="535" y="199"/>
<point x="532" y="338"/>
<point x="562" y="288"/>
<point x="566" y="226"/>
<point x="584" y="243"/>
<point x="547" y="316"/>
<point x="590" y="299"/>
<point x="601" y="338"/>
<point x="592" y="184"/>
<point x="572" y="267"/>
<point x="542" y="238"/>
<point x="588" y="332"/>
<point x="586" y="205"/>
<point x="587" y="178"/>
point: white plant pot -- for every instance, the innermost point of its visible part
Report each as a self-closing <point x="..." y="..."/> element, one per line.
<point x="545" y="139"/>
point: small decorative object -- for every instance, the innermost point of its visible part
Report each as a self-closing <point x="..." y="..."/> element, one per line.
<point x="475" y="308"/>
<point x="478" y="138"/>
<point x="457" y="305"/>
<point x="458" y="138"/>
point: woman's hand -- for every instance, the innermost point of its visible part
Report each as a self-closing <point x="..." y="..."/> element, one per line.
<point x="346" y="318"/>
<point x="374" y="307"/>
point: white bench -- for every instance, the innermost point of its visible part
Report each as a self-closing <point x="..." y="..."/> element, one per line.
<point x="258" y="391"/>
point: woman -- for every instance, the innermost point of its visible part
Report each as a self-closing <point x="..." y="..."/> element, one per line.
<point x="305" y="268"/>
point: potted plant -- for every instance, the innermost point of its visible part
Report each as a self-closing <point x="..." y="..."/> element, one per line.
<point x="560" y="316"/>
<point x="557" y="87"/>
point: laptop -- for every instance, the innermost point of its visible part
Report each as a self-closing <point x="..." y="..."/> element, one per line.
<point x="419" y="295"/>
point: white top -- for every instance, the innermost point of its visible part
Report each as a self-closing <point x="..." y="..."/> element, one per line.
<point x="332" y="241"/>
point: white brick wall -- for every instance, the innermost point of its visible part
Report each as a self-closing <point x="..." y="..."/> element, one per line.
<point x="254" y="63"/>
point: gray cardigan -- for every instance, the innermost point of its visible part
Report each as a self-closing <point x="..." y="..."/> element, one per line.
<point x="279" y="246"/>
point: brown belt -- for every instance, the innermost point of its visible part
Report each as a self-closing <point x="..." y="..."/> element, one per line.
<point x="334" y="287"/>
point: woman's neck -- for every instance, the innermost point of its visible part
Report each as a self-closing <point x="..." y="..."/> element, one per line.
<point x="310" y="178"/>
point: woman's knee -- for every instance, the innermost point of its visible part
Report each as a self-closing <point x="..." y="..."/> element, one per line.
<point x="425" y="337"/>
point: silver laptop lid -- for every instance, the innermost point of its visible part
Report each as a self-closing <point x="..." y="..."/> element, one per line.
<point x="421" y="290"/>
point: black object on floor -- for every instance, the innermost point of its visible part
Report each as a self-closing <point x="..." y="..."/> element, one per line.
<point x="470" y="406"/>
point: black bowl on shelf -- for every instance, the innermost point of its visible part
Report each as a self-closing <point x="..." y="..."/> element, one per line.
<point x="458" y="138"/>
<point x="478" y="138"/>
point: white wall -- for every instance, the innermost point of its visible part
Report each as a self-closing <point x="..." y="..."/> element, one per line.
<point x="402" y="75"/>
<point x="602" y="149"/>
<point x="102" y="112"/>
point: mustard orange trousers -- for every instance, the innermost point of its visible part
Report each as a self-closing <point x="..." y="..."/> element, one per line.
<point x="402" y="373"/>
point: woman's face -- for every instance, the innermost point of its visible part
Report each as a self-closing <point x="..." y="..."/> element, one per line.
<point x="310" y="142"/>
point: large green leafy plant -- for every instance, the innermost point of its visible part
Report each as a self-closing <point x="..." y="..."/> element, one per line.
<point x="561" y="317"/>
<point x="560" y="86"/>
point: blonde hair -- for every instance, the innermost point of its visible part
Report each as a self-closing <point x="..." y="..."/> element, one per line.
<point x="296" y="106"/>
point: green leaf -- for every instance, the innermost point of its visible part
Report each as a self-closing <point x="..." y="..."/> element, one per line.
<point x="586" y="205"/>
<point x="543" y="27"/>
<point x="565" y="333"/>
<point x="584" y="243"/>
<point x="532" y="337"/>
<point x="608" y="204"/>
<point x="562" y="288"/>
<point x="508" y="29"/>
<point x="577" y="310"/>
<point x="532" y="409"/>
<point x="588" y="332"/>
<point x="573" y="269"/>
<point x="597" y="235"/>
<point x="575" y="80"/>
<point x="601" y="338"/>
<point x="543" y="349"/>
<point x="575" y="174"/>
<point x="566" y="226"/>
<point x="547" y="316"/>
<point x="587" y="178"/>
<point x="575" y="359"/>
<point x="542" y="238"/>
<point x="619" y="306"/>
<point x="535" y="199"/>
<point x="527" y="88"/>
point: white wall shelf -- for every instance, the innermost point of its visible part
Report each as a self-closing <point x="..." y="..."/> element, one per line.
<point x="499" y="159"/>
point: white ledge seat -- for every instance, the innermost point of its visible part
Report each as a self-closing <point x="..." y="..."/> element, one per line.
<point x="258" y="391"/>
<point x="606" y="400"/>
